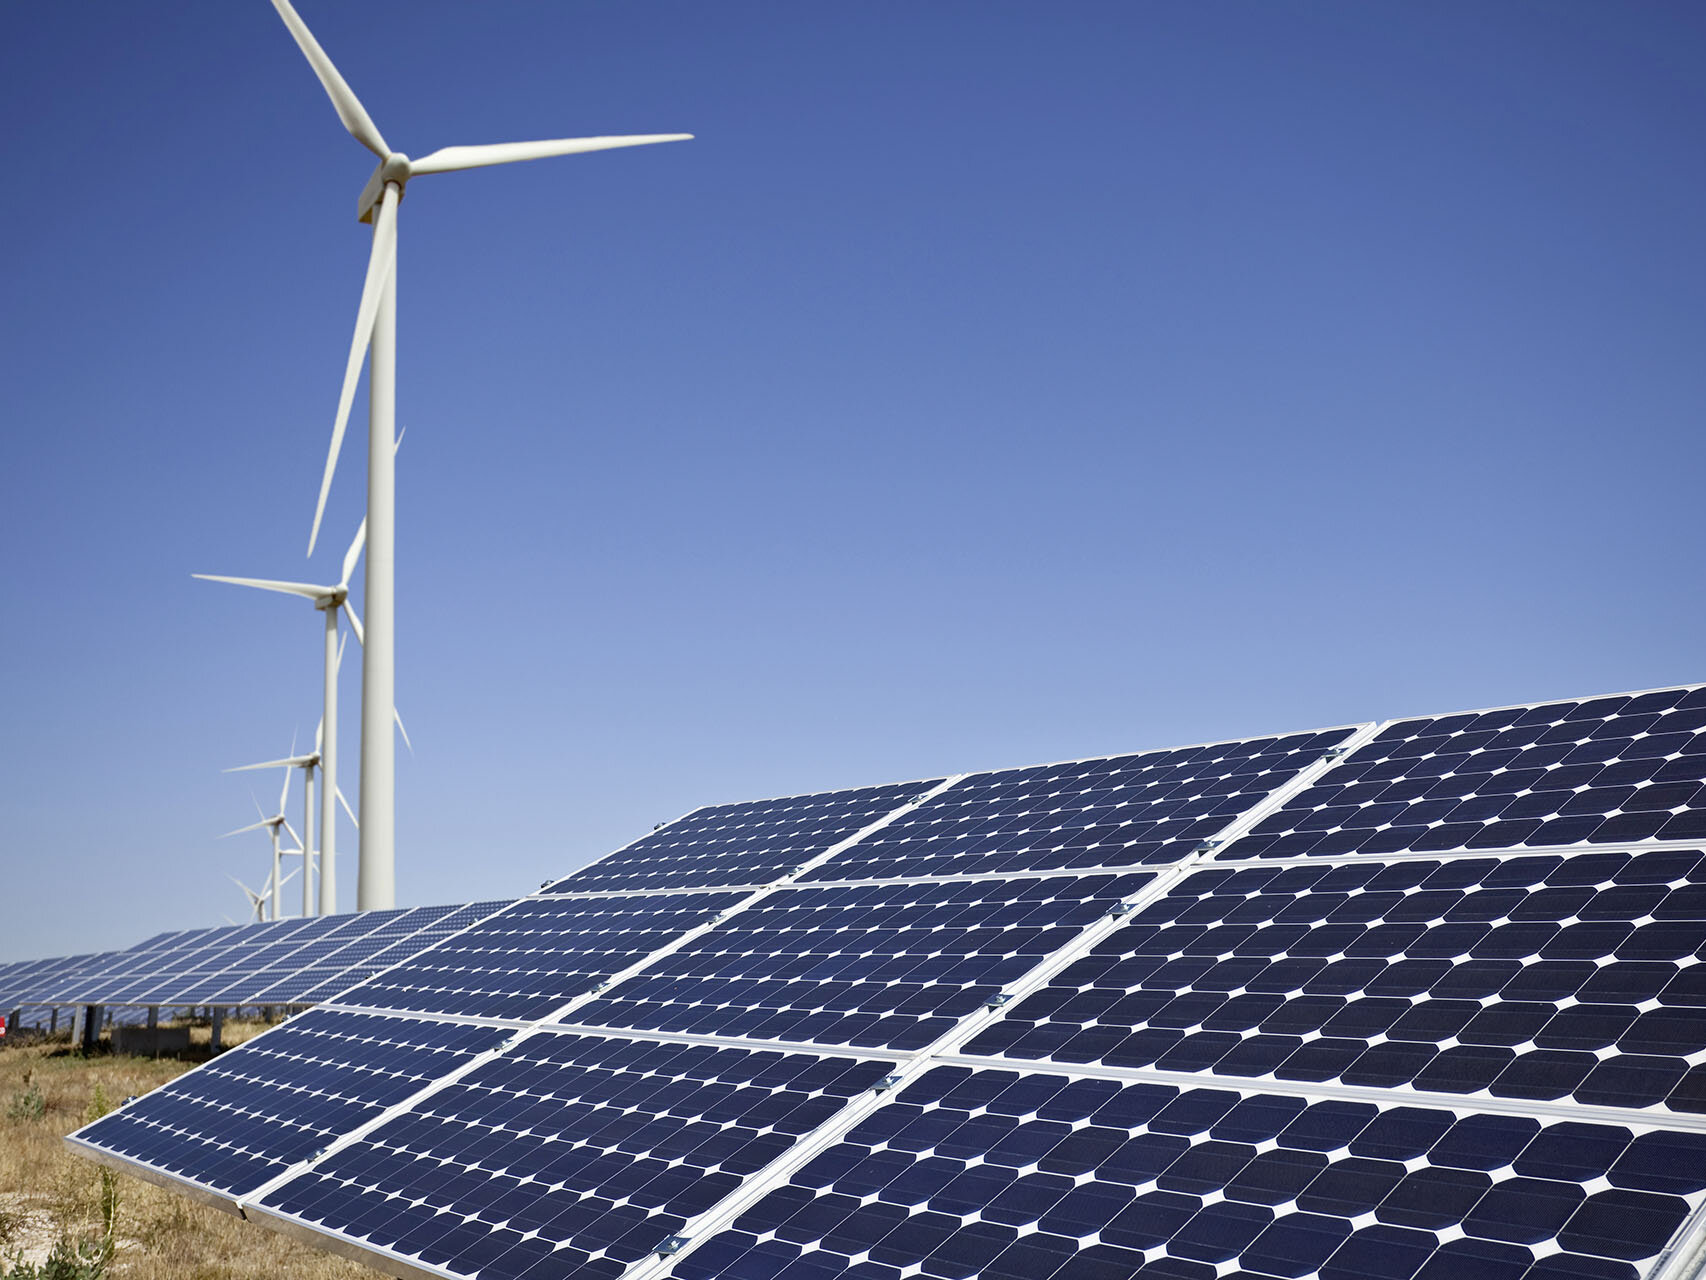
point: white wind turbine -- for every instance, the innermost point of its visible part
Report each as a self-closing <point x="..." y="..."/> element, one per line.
<point x="308" y="763"/>
<point x="327" y="600"/>
<point x="272" y="825"/>
<point x="257" y="901"/>
<point x="376" y="320"/>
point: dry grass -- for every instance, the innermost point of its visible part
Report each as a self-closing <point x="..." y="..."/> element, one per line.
<point x="46" y="1192"/>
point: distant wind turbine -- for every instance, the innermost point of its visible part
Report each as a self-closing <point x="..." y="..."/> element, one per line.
<point x="308" y="763"/>
<point x="272" y="825"/>
<point x="376" y="322"/>
<point x="327" y="600"/>
<point x="257" y="901"/>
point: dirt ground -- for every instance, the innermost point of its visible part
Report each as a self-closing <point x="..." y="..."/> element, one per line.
<point x="47" y="1193"/>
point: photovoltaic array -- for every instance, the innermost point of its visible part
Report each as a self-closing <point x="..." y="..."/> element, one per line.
<point x="283" y="962"/>
<point x="1418" y="1001"/>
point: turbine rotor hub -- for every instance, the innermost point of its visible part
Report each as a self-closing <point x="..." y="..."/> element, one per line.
<point x="393" y="168"/>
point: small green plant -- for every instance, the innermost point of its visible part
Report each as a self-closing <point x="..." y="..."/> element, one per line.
<point x="73" y="1259"/>
<point x="28" y="1105"/>
<point x="79" y="1260"/>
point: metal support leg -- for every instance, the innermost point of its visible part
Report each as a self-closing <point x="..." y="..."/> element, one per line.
<point x="90" y="1040"/>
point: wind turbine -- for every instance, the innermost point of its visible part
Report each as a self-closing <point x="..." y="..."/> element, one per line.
<point x="257" y="901"/>
<point x="328" y="600"/>
<point x="308" y="763"/>
<point x="376" y="322"/>
<point x="272" y="825"/>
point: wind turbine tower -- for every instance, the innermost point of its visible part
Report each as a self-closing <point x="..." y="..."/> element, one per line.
<point x="376" y="320"/>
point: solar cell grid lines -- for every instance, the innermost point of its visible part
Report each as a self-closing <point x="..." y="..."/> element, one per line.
<point x="742" y="844"/>
<point x="889" y="966"/>
<point x="1610" y="770"/>
<point x="535" y="955"/>
<point x="569" y="1155"/>
<point x="250" y="1114"/>
<point x="1121" y="811"/>
<point x="1538" y="977"/>
<point x="1047" y="1177"/>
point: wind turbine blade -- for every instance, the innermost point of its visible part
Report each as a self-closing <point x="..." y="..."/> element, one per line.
<point x="449" y="159"/>
<point x="226" y="918"/>
<point x="354" y="622"/>
<point x="398" y="717"/>
<point x="401" y="432"/>
<point x="342" y="641"/>
<point x="284" y="791"/>
<point x="354" y="553"/>
<point x="319" y="738"/>
<point x="292" y="830"/>
<point x="253" y="826"/>
<point x="307" y="589"/>
<point x="255" y="899"/>
<point x="289" y="762"/>
<point x="344" y="800"/>
<point x="379" y="264"/>
<point x="344" y="101"/>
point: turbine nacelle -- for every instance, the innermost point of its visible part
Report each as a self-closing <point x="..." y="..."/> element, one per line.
<point x="393" y="168"/>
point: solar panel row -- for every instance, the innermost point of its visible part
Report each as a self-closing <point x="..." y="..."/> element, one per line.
<point x="1040" y="1027"/>
<point x="275" y="962"/>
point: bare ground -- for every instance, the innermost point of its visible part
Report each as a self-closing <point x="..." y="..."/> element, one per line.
<point x="47" y="1193"/>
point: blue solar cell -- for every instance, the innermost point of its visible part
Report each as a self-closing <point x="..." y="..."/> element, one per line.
<point x="891" y="966"/>
<point x="1124" y="811"/>
<point x="1482" y="989"/>
<point x="253" y="1112"/>
<point x="598" y="1148"/>
<point x="534" y="956"/>
<point x="1604" y="771"/>
<point x="1299" y="1202"/>
<point x="742" y="844"/>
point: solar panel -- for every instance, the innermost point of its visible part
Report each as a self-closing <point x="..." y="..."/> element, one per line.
<point x="1123" y="811"/>
<point x="155" y="978"/>
<point x="291" y="968"/>
<point x="256" y="968"/>
<point x="1028" y="1176"/>
<point x="533" y="956"/>
<point x="569" y="1154"/>
<point x="1090" y="1021"/>
<point x="1611" y="770"/>
<point x="883" y="966"/>
<point x="742" y="844"/>
<point x="1538" y="977"/>
<point x="266" y="963"/>
<point x="230" y="1125"/>
<point x="363" y="964"/>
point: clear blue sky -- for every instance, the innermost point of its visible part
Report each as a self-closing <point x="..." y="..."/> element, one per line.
<point x="989" y="383"/>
